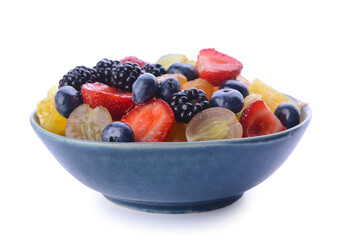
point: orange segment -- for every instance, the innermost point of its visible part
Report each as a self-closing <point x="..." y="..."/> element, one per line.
<point x="52" y="90"/>
<point x="270" y="96"/>
<point x="243" y="79"/>
<point x="48" y="115"/>
<point x="177" y="132"/>
<point x="179" y="76"/>
<point x="202" y="84"/>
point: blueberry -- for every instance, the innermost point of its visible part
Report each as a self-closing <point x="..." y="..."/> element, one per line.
<point x="289" y="114"/>
<point x="168" y="86"/>
<point x="118" y="132"/>
<point x="145" y="88"/>
<point x="237" y="85"/>
<point x="66" y="100"/>
<point x="188" y="70"/>
<point x="228" y="98"/>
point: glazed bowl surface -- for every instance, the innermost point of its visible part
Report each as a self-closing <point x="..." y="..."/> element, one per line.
<point x="174" y="177"/>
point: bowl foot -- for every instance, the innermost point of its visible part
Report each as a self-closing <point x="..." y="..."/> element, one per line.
<point x="175" y="208"/>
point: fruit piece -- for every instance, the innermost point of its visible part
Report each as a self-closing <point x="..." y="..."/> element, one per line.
<point x="169" y="59"/>
<point x="179" y="76"/>
<point x="124" y="75"/>
<point x="117" y="102"/>
<point x="177" y="133"/>
<point x="249" y="99"/>
<point x="49" y="118"/>
<point x="288" y="114"/>
<point x="52" y="91"/>
<point x="243" y="79"/>
<point x="155" y="69"/>
<point x="168" y="86"/>
<point x="217" y="67"/>
<point x="66" y="100"/>
<point x="187" y="103"/>
<point x="78" y="76"/>
<point x="202" y="84"/>
<point x="227" y="98"/>
<point x="134" y="59"/>
<point x="188" y="70"/>
<point x="237" y="85"/>
<point x="192" y="62"/>
<point x="150" y="122"/>
<point x="87" y="123"/>
<point x="145" y="88"/>
<point x="257" y="120"/>
<point x="271" y="97"/>
<point x="118" y="132"/>
<point x="213" y="124"/>
<point x="104" y="70"/>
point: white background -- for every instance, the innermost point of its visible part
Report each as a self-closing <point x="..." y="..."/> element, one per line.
<point x="292" y="45"/>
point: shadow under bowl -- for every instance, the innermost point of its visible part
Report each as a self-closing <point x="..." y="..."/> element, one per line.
<point x="174" y="177"/>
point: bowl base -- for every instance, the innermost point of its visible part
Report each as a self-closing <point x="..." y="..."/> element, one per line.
<point x="175" y="208"/>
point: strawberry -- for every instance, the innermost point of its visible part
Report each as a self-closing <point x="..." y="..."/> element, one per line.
<point x="133" y="59"/>
<point x="216" y="67"/>
<point x="117" y="102"/>
<point x="257" y="120"/>
<point x="150" y="122"/>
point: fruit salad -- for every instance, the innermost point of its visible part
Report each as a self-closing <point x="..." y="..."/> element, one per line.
<point x="174" y="99"/>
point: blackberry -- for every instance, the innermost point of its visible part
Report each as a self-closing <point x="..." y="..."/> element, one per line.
<point x="104" y="70"/>
<point x="78" y="76"/>
<point x="154" y="68"/>
<point x="187" y="103"/>
<point x="124" y="75"/>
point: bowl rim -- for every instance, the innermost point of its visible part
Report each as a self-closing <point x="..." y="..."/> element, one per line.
<point x="306" y="110"/>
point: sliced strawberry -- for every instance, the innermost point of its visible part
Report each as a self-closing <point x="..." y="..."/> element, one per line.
<point x="217" y="67"/>
<point x="151" y="122"/>
<point x="257" y="120"/>
<point x="117" y="102"/>
<point x="133" y="59"/>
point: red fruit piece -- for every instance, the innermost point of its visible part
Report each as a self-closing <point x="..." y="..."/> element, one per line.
<point x="217" y="67"/>
<point x="117" y="102"/>
<point x="150" y="122"/>
<point x="257" y="120"/>
<point x="133" y="59"/>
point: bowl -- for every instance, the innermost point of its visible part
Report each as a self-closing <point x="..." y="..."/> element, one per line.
<point x="174" y="177"/>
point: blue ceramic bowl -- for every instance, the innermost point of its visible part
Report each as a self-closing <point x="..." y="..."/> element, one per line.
<point x="172" y="177"/>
